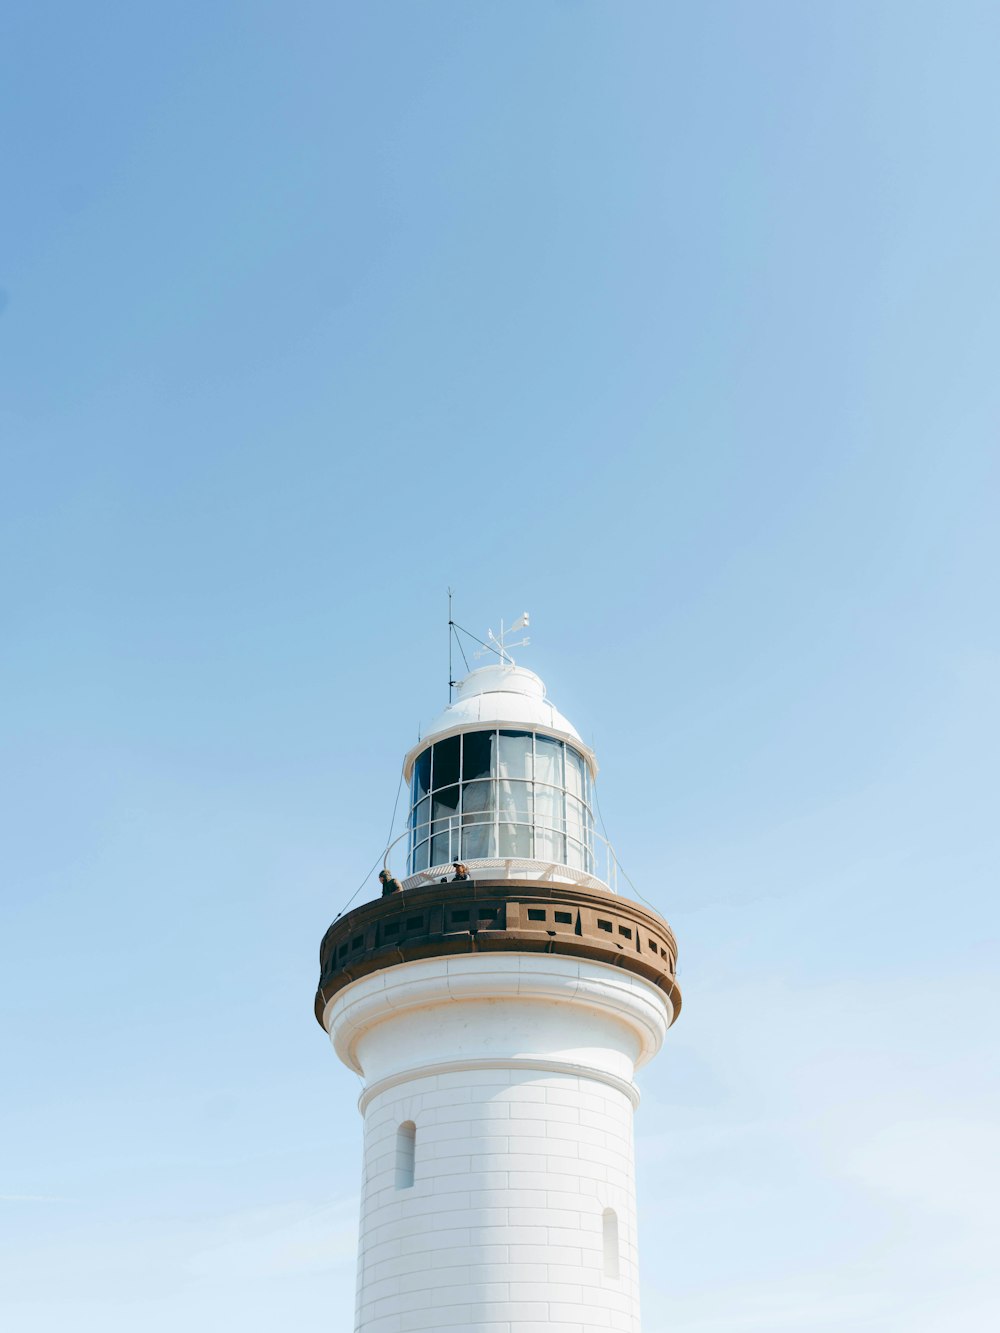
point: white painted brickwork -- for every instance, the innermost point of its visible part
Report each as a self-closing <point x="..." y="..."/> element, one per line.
<point x="502" y="1228"/>
<point x="516" y="1071"/>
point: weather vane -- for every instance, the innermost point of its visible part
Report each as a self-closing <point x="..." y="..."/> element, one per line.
<point x="498" y="643"/>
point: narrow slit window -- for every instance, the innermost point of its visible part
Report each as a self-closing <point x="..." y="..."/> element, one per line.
<point x="610" y="1229"/>
<point x="406" y="1154"/>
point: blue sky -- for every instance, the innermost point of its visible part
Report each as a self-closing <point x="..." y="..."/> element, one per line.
<point x="676" y="325"/>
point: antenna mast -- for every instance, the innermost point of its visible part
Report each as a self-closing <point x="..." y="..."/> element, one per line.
<point x="451" y="636"/>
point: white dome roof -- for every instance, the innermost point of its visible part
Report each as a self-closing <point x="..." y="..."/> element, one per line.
<point x="501" y="696"/>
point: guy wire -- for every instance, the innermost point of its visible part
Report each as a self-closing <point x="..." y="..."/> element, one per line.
<point x="381" y="855"/>
<point x="600" y="815"/>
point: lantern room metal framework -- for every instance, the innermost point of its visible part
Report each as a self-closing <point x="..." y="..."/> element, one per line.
<point x="501" y="793"/>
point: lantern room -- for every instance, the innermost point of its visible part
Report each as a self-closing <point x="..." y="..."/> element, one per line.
<point x="503" y="782"/>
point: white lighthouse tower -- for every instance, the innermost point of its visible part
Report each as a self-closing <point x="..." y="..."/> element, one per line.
<point x="497" y="1024"/>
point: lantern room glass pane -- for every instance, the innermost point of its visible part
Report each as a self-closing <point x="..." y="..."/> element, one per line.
<point x="549" y="808"/>
<point x="575" y="772"/>
<point x="514" y="802"/>
<point x="444" y="803"/>
<point x="420" y="861"/>
<point x="575" y="818"/>
<point x="444" y="844"/>
<point x="477" y="754"/>
<point x="422" y="776"/>
<point x="514" y="758"/>
<point x="421" y="818"/>
<point x="446" y="756"/>
<point x="548" y="761"/>
<point x="576" y="853"/>
<point x="590" y="833"/>
<point x="515" y="840"/>
<point x="477" y="837"/>
<point x="514" y="813"/>
<point x="477" y="797"/>
<point x="550" y="847"/>
<point x="445" y="827"/>
<point x="477" y="819"/>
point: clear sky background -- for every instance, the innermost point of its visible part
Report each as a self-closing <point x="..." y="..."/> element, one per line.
<point x="675" y="324"/>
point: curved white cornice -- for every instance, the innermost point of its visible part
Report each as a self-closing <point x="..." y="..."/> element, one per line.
<point x="543" y="1011"/>
<point x="625" y="1086"/>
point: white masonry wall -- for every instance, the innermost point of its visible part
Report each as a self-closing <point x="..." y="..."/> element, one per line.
<point x="515" y="1072"/>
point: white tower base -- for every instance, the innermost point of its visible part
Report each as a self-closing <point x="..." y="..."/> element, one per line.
<point x="499" y="1181"/>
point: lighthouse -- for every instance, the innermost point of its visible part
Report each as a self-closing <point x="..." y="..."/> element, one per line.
<point x="497" y="1023"/>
